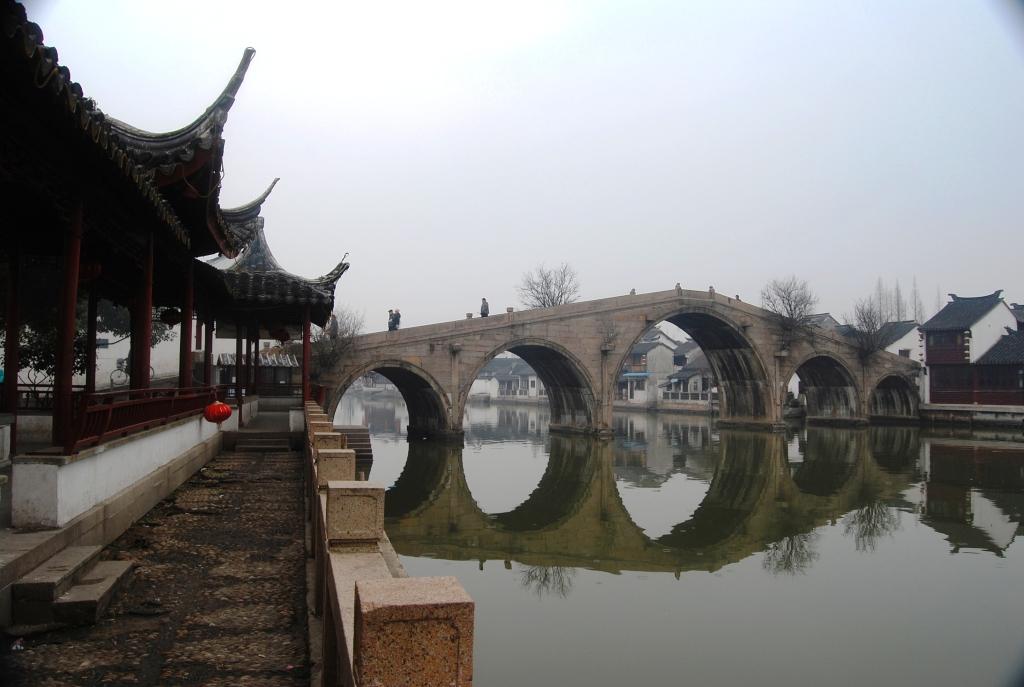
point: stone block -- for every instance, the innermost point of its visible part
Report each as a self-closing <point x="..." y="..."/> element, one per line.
<point x="413" y="631"/>
<point x="322" y="440"/>
<point x="335" y="465"/>
<point x="355" y="511"/>
<point x="324" y="426"/>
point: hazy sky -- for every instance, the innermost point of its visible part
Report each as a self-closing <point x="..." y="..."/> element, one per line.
<point x="450" y="146"/>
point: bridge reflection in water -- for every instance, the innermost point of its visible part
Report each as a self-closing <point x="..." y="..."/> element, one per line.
<point x="576" y="517"/>
<point x="726" y="551"/>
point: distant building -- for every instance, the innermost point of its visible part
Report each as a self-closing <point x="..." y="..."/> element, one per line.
<point x="649" y="364"/>
<point x="824" y="320"/>
<point x="507" y="379"/>
<point x="902" y="338"/>
<point x="1018" y="311"/>
<point x="972" y="352"/>
<point x="693" y="381"/>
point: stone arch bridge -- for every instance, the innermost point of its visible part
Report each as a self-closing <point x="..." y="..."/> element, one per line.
<point x="578" y="350"/>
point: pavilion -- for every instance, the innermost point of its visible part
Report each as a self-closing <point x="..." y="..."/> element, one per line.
<point x="107" y="211"/>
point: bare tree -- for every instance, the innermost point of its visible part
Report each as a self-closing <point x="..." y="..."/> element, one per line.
<point x="917" y="307"/>
<point x="544" y="288"/>
<point x="333" y="342"/>
<point x="792" y="555"/>
<point x="792" y="301"/>
<point x="548" y="579"/>
<point x="868" y="319"/>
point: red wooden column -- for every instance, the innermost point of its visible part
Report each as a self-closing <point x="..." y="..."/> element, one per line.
<point x="307" y="354"/>
<point x="66" y="328"/>
<point x="11" y="339"/>
<point x="238" y="371"/>
<point x="142" y="321"/>
<point x="90" y="342"/>
<point x="208" y="353"/>
<point x="185" y="349"/>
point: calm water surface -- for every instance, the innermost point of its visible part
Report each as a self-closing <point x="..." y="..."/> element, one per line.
<point x="684" y="554"/>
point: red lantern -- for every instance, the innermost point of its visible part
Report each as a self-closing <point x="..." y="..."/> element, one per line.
<point x="217" y="412"/>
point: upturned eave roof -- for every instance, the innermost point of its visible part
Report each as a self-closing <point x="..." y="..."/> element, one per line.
<point x="961" y="312"/>
<point x="40" y="64"/>
<point x="165" y="151"/>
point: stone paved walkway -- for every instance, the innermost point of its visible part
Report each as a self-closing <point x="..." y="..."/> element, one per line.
<point x="218" y="597"/>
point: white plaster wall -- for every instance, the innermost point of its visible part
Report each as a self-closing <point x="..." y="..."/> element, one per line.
<point x="52" y="495"/>
<point x="990" y="328"/>
<point x="35" y="428"/>
<point x="990" y="519"/>
<point x="911" y="341"/>
<point x="484" y="386"/>
<point x="34" y="494"/>
<point x="5" y="442"/>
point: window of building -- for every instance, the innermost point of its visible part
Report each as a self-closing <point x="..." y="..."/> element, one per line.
<point x="533" y="383"/>
<point x="640" y="385"/>
<point x="102" y="343"/>
<point x="904" y="352"/>
<point x="944" y="339"/>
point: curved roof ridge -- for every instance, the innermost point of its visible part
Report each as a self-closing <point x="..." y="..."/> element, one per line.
<point x="332" y="277"/>
<point x="250" y="209"/>
<point x="997" y="294"/>
<point x="257" y="256"/>
<point x="149" y="145"/>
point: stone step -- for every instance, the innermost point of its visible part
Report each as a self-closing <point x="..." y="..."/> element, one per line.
<point x="86" y="601"/>
<point x="54" y="577"/>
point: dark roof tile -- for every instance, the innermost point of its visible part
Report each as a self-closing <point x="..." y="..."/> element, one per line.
<point x="961" y="313"/>
<point x="1009" y="350"/>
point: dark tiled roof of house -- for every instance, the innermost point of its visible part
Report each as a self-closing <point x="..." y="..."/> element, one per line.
<point x="891" y="332"/>
<point x="846" y="330"/>
<point x="506" y="368"/>
<point x="824" y="320"/>
<point x="1018" y="311"/>
<point x="644" y="347"/>
<point x="1009" y="350"/>
<point x="961" y="313"/>
<point x="686" y="347"/>
<point x="267" y="359"/>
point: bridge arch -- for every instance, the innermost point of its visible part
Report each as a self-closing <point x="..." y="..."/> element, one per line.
<point x="569" y="387"/>
<point x="429" y="409"/>
<point x="744" y="388"/>
<point x="893" y="397"/>
<point x="829" y="386"/>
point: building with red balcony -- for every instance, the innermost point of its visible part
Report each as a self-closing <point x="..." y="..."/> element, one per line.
<point x="957" y="341"/>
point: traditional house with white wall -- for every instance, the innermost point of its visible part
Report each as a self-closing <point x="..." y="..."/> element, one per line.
<point x="956" y="339"/>
<point x="507" y="378"/>
<point x="650" y="363"/>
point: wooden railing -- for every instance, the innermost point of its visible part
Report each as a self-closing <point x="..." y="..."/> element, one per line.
<point x="686" y="395"/>
<point x="37" y="397"/>
<point x="102" y="416"/>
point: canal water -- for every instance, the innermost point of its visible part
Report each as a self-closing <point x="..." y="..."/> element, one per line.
<point x="685" y="554"/>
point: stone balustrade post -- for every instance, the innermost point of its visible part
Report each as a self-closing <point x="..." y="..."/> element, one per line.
<point x="413" y="631"/>
<point x="335" y="465"/>
<point x="355" y="512"/>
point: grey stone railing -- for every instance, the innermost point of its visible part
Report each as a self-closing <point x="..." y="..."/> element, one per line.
<point x="380" y="627"/>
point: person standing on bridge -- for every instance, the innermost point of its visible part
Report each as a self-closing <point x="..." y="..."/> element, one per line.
<point x="485" y="309"/>
<point x="397" y="318"/>
<point x="391" y="321"/>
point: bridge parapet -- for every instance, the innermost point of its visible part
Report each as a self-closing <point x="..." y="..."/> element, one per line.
<point x="578" y="350"/>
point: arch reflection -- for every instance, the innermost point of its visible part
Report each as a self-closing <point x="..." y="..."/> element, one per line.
<point x="576" y="518"/>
